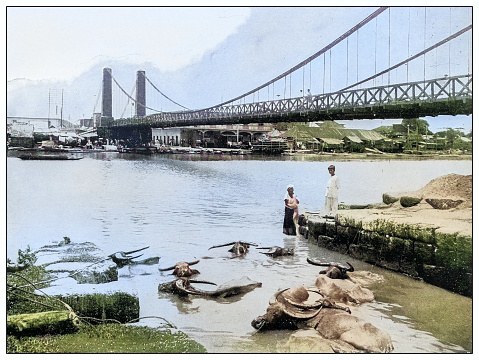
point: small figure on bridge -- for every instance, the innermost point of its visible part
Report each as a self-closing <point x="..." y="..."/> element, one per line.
<point x="331" y="202"/>
<point x="291" y="213"/>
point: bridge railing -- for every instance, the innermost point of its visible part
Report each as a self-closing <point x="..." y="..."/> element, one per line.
<point x="458" y="87"/>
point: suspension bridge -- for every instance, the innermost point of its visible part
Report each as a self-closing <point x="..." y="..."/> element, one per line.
<point x="375" y="70"/>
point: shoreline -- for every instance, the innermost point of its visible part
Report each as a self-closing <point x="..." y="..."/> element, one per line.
<point x="457" y="220"/>
<point x="383" y="156"/>
<point x="302" y="155"/>
<point x="433" y="243"/>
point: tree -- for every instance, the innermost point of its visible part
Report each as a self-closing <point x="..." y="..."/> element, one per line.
<point x="416" y="126"/>
<point x="452" y="135"/>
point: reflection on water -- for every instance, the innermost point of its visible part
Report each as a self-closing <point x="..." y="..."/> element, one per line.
<point x="181" y="208"/>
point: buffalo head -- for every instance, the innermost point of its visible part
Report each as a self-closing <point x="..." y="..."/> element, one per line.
<point x="334" y="270"/>
<point x="275" y="251"/>
<point x="239" y="248"/>
<point x="182" y="269"/>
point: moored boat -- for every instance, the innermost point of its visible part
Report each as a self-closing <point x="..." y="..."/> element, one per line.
<point x="50" y="154"/>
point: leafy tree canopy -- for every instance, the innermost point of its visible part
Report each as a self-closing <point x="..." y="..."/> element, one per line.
<point x="416" y="126"/>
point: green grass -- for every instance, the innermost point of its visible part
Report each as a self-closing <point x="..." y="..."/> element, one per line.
<point x="107" y="338"/>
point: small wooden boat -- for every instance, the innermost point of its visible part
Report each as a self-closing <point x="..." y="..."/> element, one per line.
<point x="50" y="154"/>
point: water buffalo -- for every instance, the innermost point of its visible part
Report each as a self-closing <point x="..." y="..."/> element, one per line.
<point x="182" y="269"/>
<point x="334" y="270"/>
<point x="345" y="291"/>
<point x="288" y="308"/>
<point x="275" y="251"/>
<point x="122" y="258"/>
<point x="239" y="248"/>
<point x="183" y="287"/>
<point x="301" y="308"/>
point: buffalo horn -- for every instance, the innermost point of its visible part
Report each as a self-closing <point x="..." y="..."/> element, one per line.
<point x="172" y="267"/>
<point x="134" y="251"/>
<point x="169" y="268"/>
<point x="299" y="314"/>
<point x="302" y="306"/>
<point x="275" y="296"/>
<point x="351" y="269"/>
<point x="121" y="256"/>
<point x="217" y="246"/>
<point x="180" y="284"/>
<point x="202" y="282"/>
<point x="312" y="262"/>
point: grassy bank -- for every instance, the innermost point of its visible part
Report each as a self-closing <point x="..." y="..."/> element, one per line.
<point x="109" y="312"/>
<point x="107" y="338"/>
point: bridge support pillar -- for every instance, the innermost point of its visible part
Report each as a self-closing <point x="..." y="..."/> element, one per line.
<point x="106" y="110"/>
<point x="140" y="94"/>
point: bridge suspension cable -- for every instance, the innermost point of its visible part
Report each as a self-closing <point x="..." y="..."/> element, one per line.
<point x="130" y="97"/>
<point x="449" y="38"/>
<point x="97" y="98"/>
<point x="128" y="103"/>
<point x="174" y="102"/>
<point x="308" y="60"/>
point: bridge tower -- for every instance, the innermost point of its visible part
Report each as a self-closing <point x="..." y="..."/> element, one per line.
<point x="106" y="94"/>
<point x="140" y="94"/>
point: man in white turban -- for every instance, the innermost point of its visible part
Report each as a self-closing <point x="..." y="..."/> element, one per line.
<point x="331" y="203"/>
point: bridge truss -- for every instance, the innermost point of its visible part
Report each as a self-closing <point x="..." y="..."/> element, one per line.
<point x="442" y="96"/>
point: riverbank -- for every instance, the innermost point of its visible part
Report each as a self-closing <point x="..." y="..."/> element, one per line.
<point x="313" y="156"/>
<point x="426" y="242"/>
<point x="445" y="221"/>
<point x="456" y="220"/>
<point x="245" y="154"/>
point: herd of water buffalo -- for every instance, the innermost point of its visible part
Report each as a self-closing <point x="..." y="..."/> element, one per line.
<point x="324" y="307"/>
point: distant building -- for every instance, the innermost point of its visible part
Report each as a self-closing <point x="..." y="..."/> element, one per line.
<point x="41" y="124"/>
<point x="20" y="133"/>
<point x="20" y="129"/>
<point x="88" y="123"/>
<point x="331" y="136"/>
<point x="167" y="137"/>
<point x="238" y="135"/>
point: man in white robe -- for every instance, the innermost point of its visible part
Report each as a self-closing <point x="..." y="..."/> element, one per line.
<point x="331" y="203"/>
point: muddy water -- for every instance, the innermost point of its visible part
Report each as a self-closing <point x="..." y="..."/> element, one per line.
<point x="180" y="207"/>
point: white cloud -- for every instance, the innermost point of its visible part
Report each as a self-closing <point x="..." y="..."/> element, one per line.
<point x="60" y="43"/>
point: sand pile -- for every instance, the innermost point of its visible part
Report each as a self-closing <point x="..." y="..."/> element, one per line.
<point x="451" y="186"/>
<point x="457" y="220"/>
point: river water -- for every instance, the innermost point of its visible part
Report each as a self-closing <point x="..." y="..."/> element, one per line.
<point x="180" y="205"/>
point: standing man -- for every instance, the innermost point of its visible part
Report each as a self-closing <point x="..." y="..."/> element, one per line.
<point x="331" y="203"/>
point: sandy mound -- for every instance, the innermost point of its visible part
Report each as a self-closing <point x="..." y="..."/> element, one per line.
<point x="452" y="221"/>
<point x="451" y="186"/>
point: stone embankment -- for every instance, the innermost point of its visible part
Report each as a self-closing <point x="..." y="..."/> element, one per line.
<point x="433" y="244"/>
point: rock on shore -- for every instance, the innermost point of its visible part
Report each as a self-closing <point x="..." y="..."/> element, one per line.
<point x="452" y="220"/>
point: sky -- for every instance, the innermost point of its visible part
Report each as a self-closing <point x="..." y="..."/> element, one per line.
<point x="189" y="51"/>
<point x="181" y="36"/>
